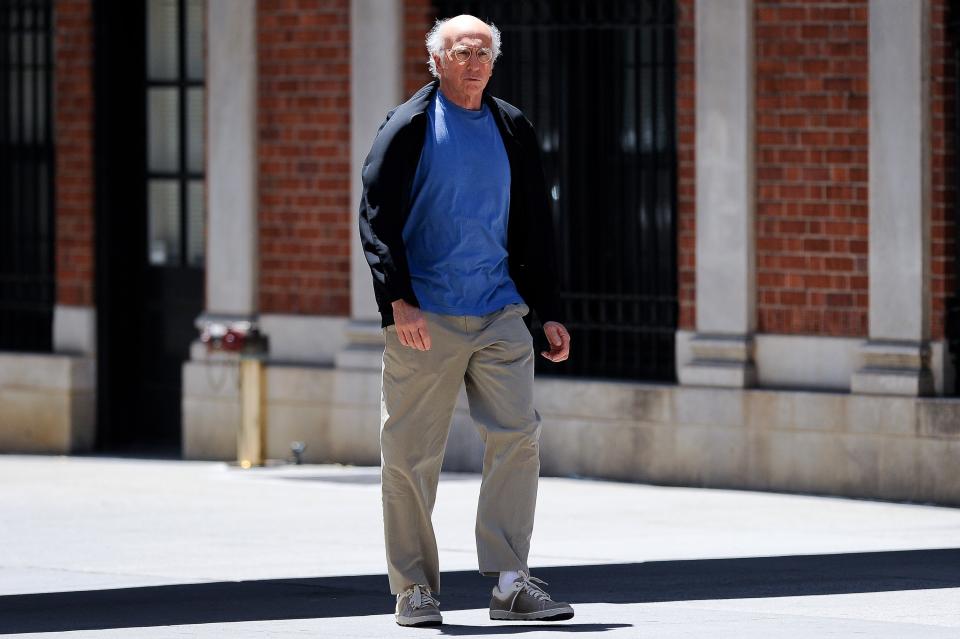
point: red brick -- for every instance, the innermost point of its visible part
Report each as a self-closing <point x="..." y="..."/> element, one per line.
<point x="943" y="76"/>
<point x="811" y="77"/>
<point x="686" y="163"/>
<point x="73" y="125"/>
<point x="304" y="146"/>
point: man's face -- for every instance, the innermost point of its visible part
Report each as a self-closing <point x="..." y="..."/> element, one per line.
<point x="469" y="78"/>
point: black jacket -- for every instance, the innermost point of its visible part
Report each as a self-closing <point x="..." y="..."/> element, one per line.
<point x="385" y="204"/>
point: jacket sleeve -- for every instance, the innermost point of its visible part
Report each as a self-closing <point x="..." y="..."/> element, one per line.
<point x="541" y="259"/>
<point x="381" y="216"/>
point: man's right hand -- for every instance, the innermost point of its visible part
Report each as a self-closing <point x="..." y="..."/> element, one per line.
<point x="411" y="325"/>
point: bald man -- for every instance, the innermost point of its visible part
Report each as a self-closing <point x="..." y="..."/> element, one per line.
<point x="456" y="227"/>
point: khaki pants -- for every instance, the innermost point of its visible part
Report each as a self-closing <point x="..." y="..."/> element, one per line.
<point x="493" y="356"/>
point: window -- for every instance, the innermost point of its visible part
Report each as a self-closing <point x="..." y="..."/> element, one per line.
<point x="176" y="228"/>
<point x="26" y="176"/>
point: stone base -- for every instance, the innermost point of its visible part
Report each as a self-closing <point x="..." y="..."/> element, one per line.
<point x="879" y="381"/>
<point x="211" y="406"/>
<point x="720" y="360"/>
<point x="718" y="373"/>
<point x="364" y="350"/>
<point x="334" y="411"/>
<point x="47" y="403"/>
<point x="894" y="368"/>
<point x="796" y="441"/>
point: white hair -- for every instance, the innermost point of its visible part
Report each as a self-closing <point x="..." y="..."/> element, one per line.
<point x="435" y="44"/>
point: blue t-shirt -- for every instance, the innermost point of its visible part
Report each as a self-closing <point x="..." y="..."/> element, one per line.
<point x="456" y="234"/>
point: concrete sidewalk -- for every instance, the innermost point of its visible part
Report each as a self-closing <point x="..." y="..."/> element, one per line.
<point x="101" y="547"/>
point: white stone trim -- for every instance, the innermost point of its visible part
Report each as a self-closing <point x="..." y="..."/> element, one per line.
<point x="810" y="362"/>
<point x="74" y="329"/>
<point x="899" y="171"/>
<point x="232" y="231"/>
<point x="726" y="290"/>
<point x="896" y="360"/>
<point x="725" y="243"/>
<point x="376" y="86"/>
<point x="307" y="339"/>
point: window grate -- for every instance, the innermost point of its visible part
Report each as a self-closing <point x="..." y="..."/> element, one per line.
<point x="596" y="77"/>
<point x="953" y="303"/>
<point x="27" y="284"/>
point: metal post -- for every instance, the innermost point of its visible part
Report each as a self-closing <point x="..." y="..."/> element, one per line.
<point x="250" y="437"/>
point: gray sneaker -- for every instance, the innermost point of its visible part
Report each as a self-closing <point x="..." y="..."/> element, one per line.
<point x="524" y="600"/>
<point x="417" y="607"/>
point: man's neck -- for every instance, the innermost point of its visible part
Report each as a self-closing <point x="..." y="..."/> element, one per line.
<point x="462" y="99"/>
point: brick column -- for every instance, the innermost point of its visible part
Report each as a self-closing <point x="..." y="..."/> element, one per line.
<point x="74" y="324"/>
<point x="725" y="264"/>
<point x="896" y="358"/>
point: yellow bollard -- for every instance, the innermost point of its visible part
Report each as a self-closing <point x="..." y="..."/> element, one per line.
<point x="251" y="436"/>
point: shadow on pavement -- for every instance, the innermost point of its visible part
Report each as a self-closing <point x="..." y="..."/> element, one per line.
<point x="346" y="596"/>
<point x="457" y="630"/>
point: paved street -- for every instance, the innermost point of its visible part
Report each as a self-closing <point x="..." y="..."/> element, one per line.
<point x="111" y="547"/>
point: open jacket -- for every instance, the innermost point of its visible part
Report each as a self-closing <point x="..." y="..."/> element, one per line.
<point x="385" y="203"/>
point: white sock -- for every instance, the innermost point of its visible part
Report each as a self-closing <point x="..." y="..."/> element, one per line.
<point x="506" y="579"/>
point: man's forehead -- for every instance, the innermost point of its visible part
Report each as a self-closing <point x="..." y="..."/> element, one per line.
<point x="467" y="30"/>
<point x="471" y="39"/>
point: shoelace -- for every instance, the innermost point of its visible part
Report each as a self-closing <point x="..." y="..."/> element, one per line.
<point x="529" y="585"/>
<point x="420" y="597"/>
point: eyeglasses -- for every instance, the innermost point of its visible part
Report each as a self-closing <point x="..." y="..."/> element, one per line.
<point x="462" y="54"/>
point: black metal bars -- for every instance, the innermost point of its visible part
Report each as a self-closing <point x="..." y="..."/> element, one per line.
<point x="27" y="264"/>
<point x="596" y="77"/>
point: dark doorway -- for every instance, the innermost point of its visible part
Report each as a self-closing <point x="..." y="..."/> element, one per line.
<point x="149" y="197"/>
<point x="596" y="78"/>
<point x="26" y="176"/>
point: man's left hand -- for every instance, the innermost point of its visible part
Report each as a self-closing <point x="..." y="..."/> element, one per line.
<point x="559" y="340"/>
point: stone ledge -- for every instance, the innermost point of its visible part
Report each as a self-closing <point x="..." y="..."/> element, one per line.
<point x="720" y="373"/>
<point x="836" y="443"/>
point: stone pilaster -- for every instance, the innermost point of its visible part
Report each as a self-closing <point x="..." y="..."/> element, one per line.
<point x="376" y="50"/>
<point x="726" y="291"/>
<point x="896" y="358"/>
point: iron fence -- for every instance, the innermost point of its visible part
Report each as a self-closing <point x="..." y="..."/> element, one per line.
<point x="952" y="324"/>
<point x="596" y="77"/>
<point x="26" y="176"/>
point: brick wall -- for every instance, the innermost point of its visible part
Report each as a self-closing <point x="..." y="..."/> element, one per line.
<point x="811" y="163"/>
<point x="418" y="17"/>
<point x="686" y="166"/>
<point x="304" y="156"/>
<point x="73" y="128"/>
<point x="943" y="251"/>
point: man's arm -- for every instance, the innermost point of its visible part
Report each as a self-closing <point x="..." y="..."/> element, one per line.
<point x="381" y="223"/>
<point x="541" y="252"/>
<point x="385" y="172"/>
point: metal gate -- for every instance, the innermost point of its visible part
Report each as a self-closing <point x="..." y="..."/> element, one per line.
<point x="596" y="77"/>
<point x="26" y="176"/>
<point x="953" y="124"/>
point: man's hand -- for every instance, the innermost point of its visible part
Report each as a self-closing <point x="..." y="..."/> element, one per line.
<point x="411" y="325"/>
<point x="559" y="340"/>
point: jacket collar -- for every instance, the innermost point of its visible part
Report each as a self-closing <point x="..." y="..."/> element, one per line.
<point x="420" y="100"/>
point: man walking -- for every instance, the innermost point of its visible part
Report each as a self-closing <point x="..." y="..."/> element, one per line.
<point x="456" y="227"/>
